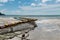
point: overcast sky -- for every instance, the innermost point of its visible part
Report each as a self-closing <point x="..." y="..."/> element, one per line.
<point x="30" y="7"/>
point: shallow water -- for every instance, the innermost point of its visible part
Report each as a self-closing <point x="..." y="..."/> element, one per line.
<point x="48" y="29"/>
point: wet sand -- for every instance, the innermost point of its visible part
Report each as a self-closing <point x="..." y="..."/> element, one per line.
<point x="48" y="30"/>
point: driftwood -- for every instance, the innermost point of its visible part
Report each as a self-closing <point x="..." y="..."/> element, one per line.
<point x="24" y="23"/>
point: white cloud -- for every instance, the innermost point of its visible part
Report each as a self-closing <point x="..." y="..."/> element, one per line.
<point x="39" y="4"/>
<point x="42" y="4"/>
<point x="44" y="1"/>
<point x="50" y="9"/>
<point x="4" y="1"/>
<point x="3" y="10"/>
<point x="44" y="10"/>
<point x="37" y="8"/>
<point x="33" y="4"/>
<point x="57" y="0"/>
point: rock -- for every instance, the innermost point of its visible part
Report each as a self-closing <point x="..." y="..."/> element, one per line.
<point x="16" y="28"/>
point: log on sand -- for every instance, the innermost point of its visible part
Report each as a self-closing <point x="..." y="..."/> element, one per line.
<point x="23" y="24"/>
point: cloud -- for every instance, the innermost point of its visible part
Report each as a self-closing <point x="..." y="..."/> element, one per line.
<point x="44" y="10"/>
<point x="29" y="10"/>
<point x="41" y="4"/>
<point x="3" y="1"/>
<point x="44" y="1"/>
<point x="58" y="1"/>
<point x="3" y="10"/>
<point x="33" y="4"/>
<point x="36" y="8"/>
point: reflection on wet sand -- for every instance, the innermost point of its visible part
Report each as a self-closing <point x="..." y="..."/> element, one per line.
<point x="46" y="30"/>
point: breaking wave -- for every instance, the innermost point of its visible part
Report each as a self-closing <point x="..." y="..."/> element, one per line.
<point x="49" y="25"/>
<point x="49" y="21"/>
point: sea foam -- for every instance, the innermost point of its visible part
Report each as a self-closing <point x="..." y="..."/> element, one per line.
<point x="48" y="21"/>
<point x="49" y="25"/>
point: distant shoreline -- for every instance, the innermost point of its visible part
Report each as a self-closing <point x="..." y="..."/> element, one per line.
<point x="31" y="15"/>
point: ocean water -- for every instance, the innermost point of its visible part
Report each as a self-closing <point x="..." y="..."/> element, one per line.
<point x="48" y="27"/>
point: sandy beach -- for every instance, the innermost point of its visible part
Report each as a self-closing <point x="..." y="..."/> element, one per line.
<point x="29" y="19"/>
<point x="12" y="32"/>
<point x="46" y="30"/>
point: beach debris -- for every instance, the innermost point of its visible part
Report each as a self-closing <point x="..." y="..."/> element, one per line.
<point x="9" y="23"/>
<point x="13" y="27"/>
